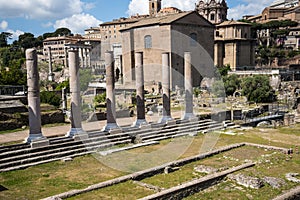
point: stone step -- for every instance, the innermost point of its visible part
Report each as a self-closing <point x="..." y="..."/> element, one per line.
<point x="65" y="142"/>
<point x="62" y="154"/>
<point x="16" y="156"/>
<point x="195" y="127"/>
<point x="52" y="151"/>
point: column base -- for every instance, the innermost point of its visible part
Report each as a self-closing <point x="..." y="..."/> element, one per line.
<point x="142" y="124"/>
<point x="190" y="117"/>
<point x="37" y="140"/>
<point x="112" y="128"/>
<point x="167" y="120"/>
<point x="77" y="134"/>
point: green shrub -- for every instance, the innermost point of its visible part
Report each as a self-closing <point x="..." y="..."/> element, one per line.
<point x="51" y="98"/>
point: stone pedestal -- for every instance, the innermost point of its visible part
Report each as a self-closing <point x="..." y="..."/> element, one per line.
<point x="140" y="93"/>
<point x="188" y="86"/>
<point x="111" y="124"/>
<point x="75" y="118"/>
<point x="34" y="109"/>
<point x="166" y="113"/>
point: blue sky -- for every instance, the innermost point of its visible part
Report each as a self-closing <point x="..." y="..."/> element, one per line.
<point x="41" y="16"/>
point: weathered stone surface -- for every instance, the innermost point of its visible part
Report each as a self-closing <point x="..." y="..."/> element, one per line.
<point x="247" y="181"/>
<point x="274" y="182"/>
<point x="292" y="177"/>
<point x="205" y="169"/>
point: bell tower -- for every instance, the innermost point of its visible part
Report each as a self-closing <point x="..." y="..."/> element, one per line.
<point x="154" y="7"/>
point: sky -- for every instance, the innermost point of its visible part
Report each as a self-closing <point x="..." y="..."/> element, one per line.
<point x="43" y="16"/>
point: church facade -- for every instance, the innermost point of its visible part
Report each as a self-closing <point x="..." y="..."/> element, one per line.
<point x="215" y="11"/>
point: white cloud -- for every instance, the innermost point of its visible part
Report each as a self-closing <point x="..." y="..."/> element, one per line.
<point x="15" y="34"/>
<point x="252" y="7"/>
<point x="3" y="25"/>
<point x="142" y="6"/>
<point x="41" y="9"/>
<point x="78" y="23"/>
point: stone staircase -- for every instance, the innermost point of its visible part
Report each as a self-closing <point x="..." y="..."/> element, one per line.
<point x="22" y="155"/>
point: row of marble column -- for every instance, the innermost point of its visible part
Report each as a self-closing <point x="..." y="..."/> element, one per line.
<point x="35" y="133"/>
<point x="140" y="92"/>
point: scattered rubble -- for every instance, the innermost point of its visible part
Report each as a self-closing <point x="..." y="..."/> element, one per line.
<point x="274" y="182"/>
<point x="205" y="169"/>
<point x="247" y="181"/>
<point x="292" y="177"/>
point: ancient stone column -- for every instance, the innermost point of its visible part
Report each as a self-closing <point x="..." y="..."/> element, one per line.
<point x="85" y="57"/>
<point x="188" y="85"/>
<point x="75" y="118"/>
<point x="111" y="123"/>
<point x="64" y="98"/>
<point x="50" y="74"/>
<point x="140" y="93"/>
<point x="121" y="68"/>
<point x="34" y="109"/>
<point x="66" y="57"/>
<point x="89" y="58"/>
<point x="166" y="114"/>
<point x="81" y="57"/>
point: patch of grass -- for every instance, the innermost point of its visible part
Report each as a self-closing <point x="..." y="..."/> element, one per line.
<point x="128" y="190"/>
<point x="53" y="178"/>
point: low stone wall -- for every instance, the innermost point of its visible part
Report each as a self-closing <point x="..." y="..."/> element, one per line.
<point x="192" y="187"/>
<point x="144" y="173"/>
<point x="293" y="194"/>
<point x="18" y="120"/>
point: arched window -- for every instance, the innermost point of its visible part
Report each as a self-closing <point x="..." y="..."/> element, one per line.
<point x="193" y="39"/>
<point x="148" y="41"/>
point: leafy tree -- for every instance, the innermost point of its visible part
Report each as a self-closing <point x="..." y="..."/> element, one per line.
<point x="85" y="78"/>
<point x="100" y="98"/>
<point x="64" y="84"/>
<point x="218" y="88"/>
<point x="61" y="32"/>
<point x="257" y="88"/>
<point x="231" y="84"/>
<point x="224" y="70"/>
<point x="50" y="97"/>
<point x="3" y="38"/>
<point x="27" y="40"/>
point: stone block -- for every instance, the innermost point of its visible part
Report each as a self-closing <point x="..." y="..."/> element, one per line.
<point x="79" y="137"/>
<point x="39" y="143"/>
<point x="115" y="131"/>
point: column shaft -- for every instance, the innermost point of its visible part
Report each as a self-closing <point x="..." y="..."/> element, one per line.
<point x="166" y="88"/>
<point x="110" y="92"/>
<point x="50" y="74"/>
<point x="76" y="127"/>
<point x="34" y="109"/>
<point x="188" y="85"/>
<point x="140" y="93"/>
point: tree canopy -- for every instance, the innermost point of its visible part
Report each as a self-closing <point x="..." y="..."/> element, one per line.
<point x="257" y="88"/>
<point x="4" y="36"/>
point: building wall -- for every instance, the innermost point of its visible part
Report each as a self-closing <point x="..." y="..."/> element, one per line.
<point x="173" y="38"/>
<point x="133" y="41"/>
<point x="202" y="52"/>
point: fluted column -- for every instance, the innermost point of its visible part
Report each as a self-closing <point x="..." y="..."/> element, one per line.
<point x="76" y="126"/>
<point x="34" y="109"/>
<point x="110" y="93"/>
<point x="166" y="114"/>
